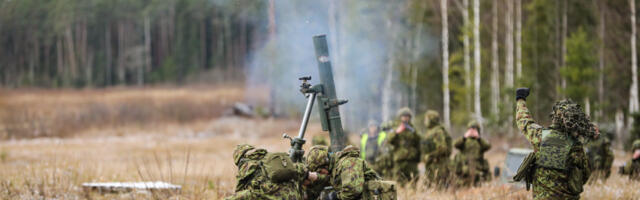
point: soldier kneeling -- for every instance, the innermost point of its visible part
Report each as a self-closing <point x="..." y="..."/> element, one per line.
<point x="348" y="174"/>
<point x="264" y="175"/>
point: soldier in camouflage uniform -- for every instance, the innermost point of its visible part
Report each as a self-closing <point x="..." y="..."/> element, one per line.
<point x="600" y="156"/>
<point x="436" y="149"/>
<point x="253" y="183"/>
<point x="404" y="148"/>
<point x="561" y="167"/>
<point x="319" y="140"/>
<point x="632" y="167"/>
<point x="469" y="164"/>
<point x="345" y="171"/>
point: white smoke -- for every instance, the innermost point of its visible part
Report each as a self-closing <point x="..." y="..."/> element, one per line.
<point x="361" y="39"/>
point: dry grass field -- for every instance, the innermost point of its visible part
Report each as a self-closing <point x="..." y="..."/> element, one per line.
<point x="53" y="141"/>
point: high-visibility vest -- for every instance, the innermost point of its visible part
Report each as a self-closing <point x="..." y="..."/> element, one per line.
<point x="363" y="142"/>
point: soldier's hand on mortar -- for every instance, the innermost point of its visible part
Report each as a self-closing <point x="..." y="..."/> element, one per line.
<point x="522" y="93"/>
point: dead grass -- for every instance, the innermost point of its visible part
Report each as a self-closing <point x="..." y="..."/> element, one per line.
<point x="194" y="154"/>
<point x="61" y="113"/>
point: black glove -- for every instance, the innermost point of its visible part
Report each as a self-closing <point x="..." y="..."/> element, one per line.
<point x="522" y="93"/>
<point x="333" y="196"/>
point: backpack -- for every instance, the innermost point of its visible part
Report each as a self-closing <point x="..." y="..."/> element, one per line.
<point x="279" y="167"/>
<point x="380" y="190"/>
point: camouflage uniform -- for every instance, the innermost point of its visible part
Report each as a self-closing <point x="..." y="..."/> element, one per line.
<point x="469" y="164"/>
<point x="252" y="181"/>
<point x="632" y="167"/>
<point x="561" y="166"/>
<point x="404" y="150"/>
<point x="348" y="173"/>
<point x="319" y="140"/>
<point x="436" y="149"/>
<point x="600" y="157"/>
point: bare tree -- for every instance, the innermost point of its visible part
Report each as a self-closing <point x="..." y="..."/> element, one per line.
<point x="445" y="64"/>
<point x="633" y="97"/>
<point x="602" y="33"/>
<point x="467" y="60"/>
<point x="564" y="45"/>
<point x="476" y="56"/>
<point x="508" y="77"/>
<point x="518" y="39"/>
<point x="495" y="71"/>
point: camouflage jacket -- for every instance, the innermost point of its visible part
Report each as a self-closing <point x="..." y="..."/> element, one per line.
<point x="348" y="174"/>
<point x="632" y="169"/>
<point x="600" y="154"/>
<point x="436" y="145"/>
<point x="471" y="155"/>
<point x="404" y="146"/>
<point x="253" y="183"/>
<point x="551" y="183"/>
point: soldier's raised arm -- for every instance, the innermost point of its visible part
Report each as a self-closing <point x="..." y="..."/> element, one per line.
<point x="524" y="120"/>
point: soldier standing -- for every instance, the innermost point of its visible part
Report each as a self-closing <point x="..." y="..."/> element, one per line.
<point x="404" y="148"/>
<point x="469" y="164"/>
<point x="632" y="167"/>
<point x="348" y="174"/>
<point x="253" y="182"/>
<point x="436" y="149"/>
<point x="560" y="168"/>
<point x="371" y="141"/>
<point x="600" y="155"/>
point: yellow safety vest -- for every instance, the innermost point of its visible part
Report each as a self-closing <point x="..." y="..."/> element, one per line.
<point x="363" y="142"/>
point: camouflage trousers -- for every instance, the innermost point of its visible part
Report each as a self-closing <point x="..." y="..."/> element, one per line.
<point x="405" y="172"/>
<point x="251" y="195"/>
<point x="437" y="174"/>
<point x="550" y="185"/>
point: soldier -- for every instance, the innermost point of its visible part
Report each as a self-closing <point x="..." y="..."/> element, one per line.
<point x="469" y="164"/>
<point x="348" y="174"/>
<point x="404" y="148"/>
<point x="600" y="155"/>
<point x="560" y="167"/>
<point x="371" y="142"/>
<point x="632" y="167"/>
<point x="436" y="149"/>
<point x="319" y="140"/>
<point x="253" y="182"/>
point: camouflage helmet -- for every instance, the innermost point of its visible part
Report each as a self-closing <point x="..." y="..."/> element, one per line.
<point x="474" y="124"/>
<point x="317" y="157"/>
<point x="635" y="145"/>
<point x="404" y="112"/>
<point x="240" y="151"/>
<point x="568" y="116"/>
<point x="431" y="118"/>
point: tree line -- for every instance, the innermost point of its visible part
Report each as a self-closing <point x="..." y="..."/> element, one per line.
<point x="97" y="43"/>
